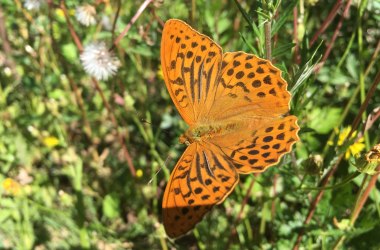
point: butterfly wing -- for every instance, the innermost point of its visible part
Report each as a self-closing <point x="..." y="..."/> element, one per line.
<point x="190" y="64"/>
<point x="204" y="176"/>
<point x="252" y="100"/>
<point x="260" y="144"/>
<point x="248" y="87"/>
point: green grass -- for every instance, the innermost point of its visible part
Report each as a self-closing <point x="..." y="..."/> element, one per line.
<point x="80" y="158"/>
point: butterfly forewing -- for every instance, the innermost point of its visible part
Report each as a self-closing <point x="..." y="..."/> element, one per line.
<point x="248" y="87"/>
<point x="203" y="177"/>
<point x="190" y="64"/>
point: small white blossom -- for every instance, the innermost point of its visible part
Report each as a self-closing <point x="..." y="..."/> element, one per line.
<point x="106" y="23"/>
<point x="33" y="4"/>
<point x="85" y="14"/>
<point x="98" y="61"/>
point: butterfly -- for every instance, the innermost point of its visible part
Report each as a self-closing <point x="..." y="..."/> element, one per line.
<point x="237" y="109"/>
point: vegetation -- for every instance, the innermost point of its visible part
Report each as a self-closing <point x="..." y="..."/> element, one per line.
<point x="80" y="158"/>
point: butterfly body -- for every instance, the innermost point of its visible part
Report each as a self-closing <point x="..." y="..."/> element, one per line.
<point x="237" y="109"/>
<point x="206" y="132"/>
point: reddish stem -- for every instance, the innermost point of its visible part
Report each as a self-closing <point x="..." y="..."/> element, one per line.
<point x="335" y="35"/>
<point x="364" y="197"/>
<point x="115" y="123"/>
<point x="315" y="202"/>
<point x="297" y="58"/>
<point x="133" y="20"/>
<point x="327" y="22"/>
<point x="70" y="26"/>
<point x="364" y="106"/>
<point x="273" y="210"/>
<point x="240" y="215"/>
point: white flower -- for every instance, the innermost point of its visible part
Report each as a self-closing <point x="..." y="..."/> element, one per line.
<point x="106" y="23"/>
<point x="98" y="61"/>
<point x="33" y="4"/>
<point x="85" y="14"/>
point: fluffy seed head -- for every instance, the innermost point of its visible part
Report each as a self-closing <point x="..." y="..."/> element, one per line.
<point x="85" y="14"/>
<point x="98" y="61"/>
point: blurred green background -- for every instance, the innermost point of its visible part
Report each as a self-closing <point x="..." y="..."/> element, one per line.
<point x="66" y="182"/>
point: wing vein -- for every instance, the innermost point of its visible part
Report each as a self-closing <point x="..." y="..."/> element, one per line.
<point x="208" y="169"/>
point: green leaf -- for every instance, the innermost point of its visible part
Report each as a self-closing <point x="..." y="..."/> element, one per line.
<point x="249" y="20"/>
<point x="111" y="206"/>
<point x="336" y="77"/>
<point x="306" y="70"/>
<point x="325" y="119"/>
<point x="254" y="51"/>
<point x="69" y="51"/>
<point x="283" y="17"/>
<point x="245" y="14"/>
<point x="283" y="49"/>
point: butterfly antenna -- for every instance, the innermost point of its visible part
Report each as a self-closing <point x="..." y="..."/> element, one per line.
<point x="159" y="170"/>
<point x="143" y="120"/>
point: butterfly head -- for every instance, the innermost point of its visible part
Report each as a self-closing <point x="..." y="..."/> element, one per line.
<point x="190" y="136"/>
<point x="185" y="138"/>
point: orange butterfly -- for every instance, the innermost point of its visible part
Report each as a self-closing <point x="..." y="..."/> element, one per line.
<point x="236" y="106"/>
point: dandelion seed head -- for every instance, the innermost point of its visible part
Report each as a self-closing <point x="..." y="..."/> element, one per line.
<point x="85" y="14"/>
<point x="33" y="4"/>
<point x="98" y="61"/>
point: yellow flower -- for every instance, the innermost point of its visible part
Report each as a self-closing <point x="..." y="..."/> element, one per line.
<point x="139" y="173"/>
<point x="59" y="13"/>
<point x="11" y="186"/>
<point x="50" y="141"/>
<point x="160" y="74"/>
<point x="354" y="148"/>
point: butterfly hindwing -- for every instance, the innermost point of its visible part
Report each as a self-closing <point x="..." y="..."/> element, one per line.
<point x="260" y="145"/>
<point x="203" y="177"/>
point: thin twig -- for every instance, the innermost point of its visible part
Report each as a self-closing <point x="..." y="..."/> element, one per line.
<point x="129" y="25"/>
<point x="314" y="203"/>
<point x="335" y="35"/>
<point x="116" y="17"/>
<point x="297" y="57"/>
<point x="273" y="209"/>
<point x="115" y="123"/>
<point x="327" y="22"/>
<point x="240" y="215"/>
<point x="373" y="58"/>
<point x="7" y="47"/>
<point x="70" y="26"/>
<point x="363" y="107"/>
<point x="362" y="198"/>
<point x="268" y="45"/>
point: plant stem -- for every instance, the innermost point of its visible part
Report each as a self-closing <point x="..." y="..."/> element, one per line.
<point x="268" y="46"/>
<point x="360" y="201"/>
<point x="131" y="22"/>
<point x="70" y="26"/>
<point x="327" y="22"/>
<point x="116" y="125"/>
<point x="341" y="184"/>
